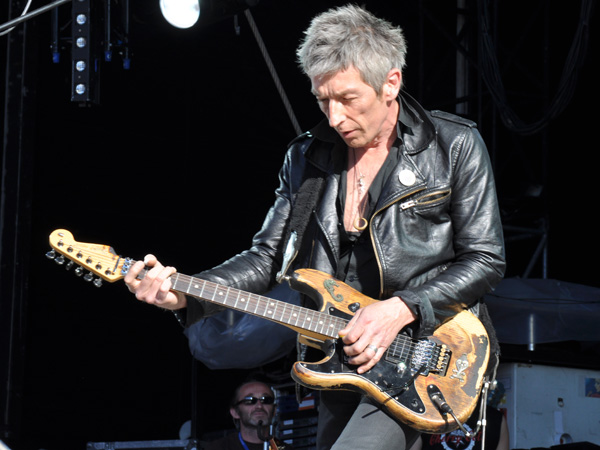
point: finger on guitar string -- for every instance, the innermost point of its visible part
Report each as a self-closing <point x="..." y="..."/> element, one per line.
<point x="363" y="351"/>
<point x="130" y="279"/>
<point x="353" y="331"/>
<point x="366" y="359"/>
<point x="156" y="285"/>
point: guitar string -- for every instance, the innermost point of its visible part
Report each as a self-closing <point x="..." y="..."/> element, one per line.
<point x="397" y="348"/>
<point x="401" y="347"/>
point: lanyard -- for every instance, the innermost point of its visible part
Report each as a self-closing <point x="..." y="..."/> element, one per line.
<point x="242" y="441"/>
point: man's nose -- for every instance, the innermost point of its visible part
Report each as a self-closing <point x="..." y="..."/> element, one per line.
<point x="336" y="114"/>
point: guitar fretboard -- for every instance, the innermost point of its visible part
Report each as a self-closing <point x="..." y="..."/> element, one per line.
<point x="258" y="305"/>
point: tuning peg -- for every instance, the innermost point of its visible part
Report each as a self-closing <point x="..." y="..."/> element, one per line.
<point x="60" y="260"/>
<point x="98" y="282"/>
<point x="79" y="271"/>
<point x="51" y="254"/>
<point x="69" y="265"/>
<point x="126" y="266"/>
<point x="88" y="276"/>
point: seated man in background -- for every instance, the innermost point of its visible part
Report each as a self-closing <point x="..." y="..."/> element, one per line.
<point x="252" y="408"/>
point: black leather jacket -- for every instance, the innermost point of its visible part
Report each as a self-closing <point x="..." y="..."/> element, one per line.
<point x="436" y="231"/>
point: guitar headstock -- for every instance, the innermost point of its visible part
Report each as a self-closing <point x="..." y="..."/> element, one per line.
<point x="99" y="260"/>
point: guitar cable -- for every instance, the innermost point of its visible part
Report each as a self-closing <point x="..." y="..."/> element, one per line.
<point x="439" y="401"/>
<point x="437" y="398"/>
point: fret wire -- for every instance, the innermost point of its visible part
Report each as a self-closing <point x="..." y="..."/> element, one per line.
<point x="175" y="281"/>
<point x="312" y="320"/>
<point x="251" y="303"/>
<point x="256" y="301"/>
<point x="189" y="284"/>
<point x="203" y="287"/>
<point x="237" y="299"/>
<point x="271" y="307"/>
<point x="321" y="323"/>
<point x="302" y="316"/>
<point x="306" y="317"/>
<point x="265" y="304"/>
<point x="225" y="294"/>
<point x="282" y="312"/>
<point x="243" y="298"/>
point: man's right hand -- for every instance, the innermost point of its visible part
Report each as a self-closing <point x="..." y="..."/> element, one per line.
<point x="155" y="287"/>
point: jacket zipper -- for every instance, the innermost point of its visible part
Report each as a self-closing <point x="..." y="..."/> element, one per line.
<point x="425" y="200"/>
<point x="373" y="238"/>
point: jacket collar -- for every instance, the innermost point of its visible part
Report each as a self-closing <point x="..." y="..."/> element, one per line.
<point x="415" y="130"/>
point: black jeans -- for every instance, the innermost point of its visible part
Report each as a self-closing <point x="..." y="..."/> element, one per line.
<point x="349" y="421"/>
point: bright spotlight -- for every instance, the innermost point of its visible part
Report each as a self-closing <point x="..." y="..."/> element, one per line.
<point x="180" y="13"/>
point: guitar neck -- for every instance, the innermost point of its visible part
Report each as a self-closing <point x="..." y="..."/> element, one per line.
<point x="296" y="317"/>
<point x="103" y="261"/>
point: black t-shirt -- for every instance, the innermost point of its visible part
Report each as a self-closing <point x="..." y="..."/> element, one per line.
<point x="358" y="265"/>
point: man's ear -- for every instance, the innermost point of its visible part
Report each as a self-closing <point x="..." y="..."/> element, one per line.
<point x="234" y="413"/>
<point x="391" y="88"/>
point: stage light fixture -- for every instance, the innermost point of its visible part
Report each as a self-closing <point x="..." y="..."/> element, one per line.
<point x="83" y="64"/>
<point x="180" y="13"/>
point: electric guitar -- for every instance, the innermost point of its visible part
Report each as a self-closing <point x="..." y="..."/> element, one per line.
<point x="431" y="384"/>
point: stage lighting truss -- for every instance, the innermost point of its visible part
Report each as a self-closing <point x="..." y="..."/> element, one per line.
<point x="84" y="66"/>
<point x="99" y="30"/>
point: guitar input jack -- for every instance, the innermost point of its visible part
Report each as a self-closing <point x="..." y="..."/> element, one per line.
<point x="444" y="408"/>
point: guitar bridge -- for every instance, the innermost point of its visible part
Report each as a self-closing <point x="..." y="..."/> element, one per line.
<point x="429" y="357"/>
<point x="420" y="357"/>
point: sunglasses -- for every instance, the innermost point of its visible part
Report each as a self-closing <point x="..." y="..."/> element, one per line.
<point x="265" y="400"/>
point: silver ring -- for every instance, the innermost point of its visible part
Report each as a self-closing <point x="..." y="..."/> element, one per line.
<point x="373" y="347"/>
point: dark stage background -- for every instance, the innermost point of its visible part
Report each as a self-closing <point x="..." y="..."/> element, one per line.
<point x="179" y="157"/>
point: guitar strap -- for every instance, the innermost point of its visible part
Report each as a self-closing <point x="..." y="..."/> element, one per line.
<point x="304" y="203"/>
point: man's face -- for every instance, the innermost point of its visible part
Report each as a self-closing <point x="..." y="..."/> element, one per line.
<point x="360" y="116"/>
<point x="251" y="414"/>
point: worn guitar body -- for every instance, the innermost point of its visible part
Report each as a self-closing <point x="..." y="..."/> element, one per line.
<point x="408" y="381"/>
<point x="392" y="382"/>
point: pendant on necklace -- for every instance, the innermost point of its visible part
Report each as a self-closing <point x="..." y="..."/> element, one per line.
<point x="361" y="184"/>
<point x="361" y="223"/>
